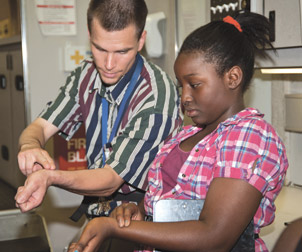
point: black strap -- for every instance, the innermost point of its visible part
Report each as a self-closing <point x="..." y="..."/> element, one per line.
<point x="135" y="196"/>
<point x="82" y="209"/>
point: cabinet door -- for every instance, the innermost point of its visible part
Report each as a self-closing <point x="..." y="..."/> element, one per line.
<point x="12" y="115"/>
<point x="18" y="112"/>
<point x="6" y="134"/>
<point x="287" y="21"/>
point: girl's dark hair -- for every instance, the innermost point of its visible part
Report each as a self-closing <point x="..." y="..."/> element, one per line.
<point x="115" y="15"/>
<point x="225" y="46"/>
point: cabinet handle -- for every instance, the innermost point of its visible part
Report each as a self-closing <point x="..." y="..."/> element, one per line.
<point x="2" y="81"/>
<point x="272" y="22"/>
<point x="19" y="83"/>
<point x="9" y="62"/>
<point x="4" y="152"/>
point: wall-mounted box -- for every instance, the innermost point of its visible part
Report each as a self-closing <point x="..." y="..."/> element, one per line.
<point x="293" y="108"/>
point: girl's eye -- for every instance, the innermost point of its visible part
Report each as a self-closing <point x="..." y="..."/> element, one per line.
<point x="194" y="85"/>
<point x="178" y="84"/>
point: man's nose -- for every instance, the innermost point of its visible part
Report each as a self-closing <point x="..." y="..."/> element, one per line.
<point x="110" y="61"/>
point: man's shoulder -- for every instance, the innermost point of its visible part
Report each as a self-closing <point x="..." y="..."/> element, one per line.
<point x="158" y="80"/>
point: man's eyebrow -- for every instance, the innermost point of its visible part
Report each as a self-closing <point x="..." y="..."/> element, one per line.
<point x="97" y="46"/>
<point x="120" y="50"/>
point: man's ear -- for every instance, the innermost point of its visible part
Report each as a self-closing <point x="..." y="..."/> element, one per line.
<point x="142" y="40"/>
<point x="234" y="77"/>
<point x="88" y="32"/>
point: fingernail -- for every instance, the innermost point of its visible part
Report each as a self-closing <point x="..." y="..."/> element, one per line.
<point x="76" y="251"/>
<point x="126" y="222"/>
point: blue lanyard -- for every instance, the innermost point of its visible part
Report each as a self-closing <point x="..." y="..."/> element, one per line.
<point x="121" y="109"/>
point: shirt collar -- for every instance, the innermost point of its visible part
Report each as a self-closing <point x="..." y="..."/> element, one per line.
<point x="115" y="92"/>
<point x="246" y="113"/>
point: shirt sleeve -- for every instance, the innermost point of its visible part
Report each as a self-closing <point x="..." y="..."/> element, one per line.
<point x="64" y="112"/>
<point x="249" y="143"/>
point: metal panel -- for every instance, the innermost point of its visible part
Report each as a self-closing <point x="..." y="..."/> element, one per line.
<point x="287" y="21"/>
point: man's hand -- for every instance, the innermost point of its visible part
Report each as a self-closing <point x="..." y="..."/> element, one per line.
<point x="125" y="213"/>
<point x="32" y="156"/>
<point x="32" y="193"/>
<point x="94" y="234"/>
<point x="33" y="159"/>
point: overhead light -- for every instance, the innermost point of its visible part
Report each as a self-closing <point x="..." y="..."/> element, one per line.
<point x="281" y="70"/>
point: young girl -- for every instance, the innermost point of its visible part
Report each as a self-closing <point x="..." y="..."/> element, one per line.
<point x="232" y="158"/>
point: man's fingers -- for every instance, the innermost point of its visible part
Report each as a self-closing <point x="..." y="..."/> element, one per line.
<point x="21" y="162"/>
<point x="35" y="159"/>
<point x="37" y="167"/>
<point x="19" y="198"/>
<point x="31" y="194"/>
<point x="28" y="161"/>
<point x="21" y="201"/>
<point x="49" y="163"/>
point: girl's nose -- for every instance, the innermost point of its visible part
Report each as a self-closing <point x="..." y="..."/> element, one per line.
<point x="186" y="97"/>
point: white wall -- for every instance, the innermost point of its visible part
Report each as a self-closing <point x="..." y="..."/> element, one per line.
<point x="259" y="95"/>
<point x="44" y="56"/>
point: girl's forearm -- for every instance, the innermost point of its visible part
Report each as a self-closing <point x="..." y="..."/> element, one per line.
<point x="174" y="236"/>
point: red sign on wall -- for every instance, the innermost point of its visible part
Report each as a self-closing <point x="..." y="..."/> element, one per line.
<point x="70" y="155"/>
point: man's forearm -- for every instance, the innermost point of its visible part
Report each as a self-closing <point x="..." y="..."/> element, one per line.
<point x="98" y="182"/>
<point x="37" y="134"/>
<point x="32" y="137"/>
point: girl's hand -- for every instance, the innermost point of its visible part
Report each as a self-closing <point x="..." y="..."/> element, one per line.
<point x="125" y="213"/>
<point x="94" y="234"/>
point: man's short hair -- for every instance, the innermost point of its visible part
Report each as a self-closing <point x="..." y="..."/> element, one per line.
<point x="116" y="15"/>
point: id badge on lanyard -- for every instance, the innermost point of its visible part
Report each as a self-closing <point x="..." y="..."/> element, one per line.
<point x="121" y="110"/>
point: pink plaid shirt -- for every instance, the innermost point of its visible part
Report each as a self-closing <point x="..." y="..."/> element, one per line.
<point x="230" y="151"/>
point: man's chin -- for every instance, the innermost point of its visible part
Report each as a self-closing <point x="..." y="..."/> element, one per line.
<point x="109" y="82"/>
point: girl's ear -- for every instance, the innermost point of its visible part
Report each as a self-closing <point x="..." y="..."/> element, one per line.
<point x="234" y="77"/>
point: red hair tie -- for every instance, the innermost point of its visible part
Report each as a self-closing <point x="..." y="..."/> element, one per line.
<point x="230" y="20"/>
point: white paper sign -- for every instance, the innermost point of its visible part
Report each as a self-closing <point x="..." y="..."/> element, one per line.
<point x="56" y="17"/>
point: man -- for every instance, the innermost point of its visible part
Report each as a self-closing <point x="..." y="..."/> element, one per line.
<point x="129" y="107"/>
